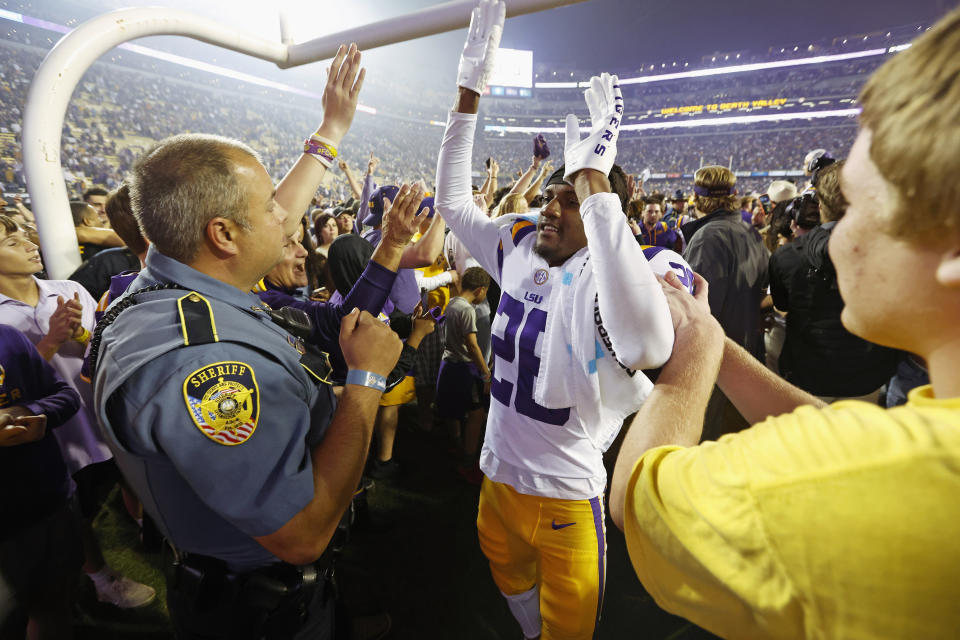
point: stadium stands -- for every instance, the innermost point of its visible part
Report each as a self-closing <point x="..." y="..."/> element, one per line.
<point x="128" y="102"/>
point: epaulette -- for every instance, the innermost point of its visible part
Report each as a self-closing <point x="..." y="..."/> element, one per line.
<point x="197" y="323"/>
<point x="198" y="326"/>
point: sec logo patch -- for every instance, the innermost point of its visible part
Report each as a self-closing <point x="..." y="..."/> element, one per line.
<point x="540" y="276"/>
<point x="224" y="401"/>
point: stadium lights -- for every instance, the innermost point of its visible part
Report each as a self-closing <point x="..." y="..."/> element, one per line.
<point x="556" y="85"/>
<point x="688" y="124"/>
<point x="740" y="68"/>
<point x="757" y="66"/>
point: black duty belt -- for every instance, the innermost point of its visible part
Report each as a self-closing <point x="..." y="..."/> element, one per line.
<point x="278" y="595"/>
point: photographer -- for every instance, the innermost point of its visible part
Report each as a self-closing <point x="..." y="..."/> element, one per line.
<point x="819" y="355"/>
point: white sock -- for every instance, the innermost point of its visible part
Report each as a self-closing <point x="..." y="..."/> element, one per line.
<point x="525" y="607"/>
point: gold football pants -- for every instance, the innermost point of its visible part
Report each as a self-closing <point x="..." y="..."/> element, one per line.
<point x="557" y="544"/>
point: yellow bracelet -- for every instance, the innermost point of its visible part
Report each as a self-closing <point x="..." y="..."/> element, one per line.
<point x="320" y="148"/>
<point x="84" y="337"/>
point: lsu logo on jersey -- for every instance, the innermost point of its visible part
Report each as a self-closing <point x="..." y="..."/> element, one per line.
<point x="662" y="260"/>
<point x="224" y="401"/>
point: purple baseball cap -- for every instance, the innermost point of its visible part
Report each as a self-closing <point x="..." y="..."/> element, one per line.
<point x="375" y="215"/>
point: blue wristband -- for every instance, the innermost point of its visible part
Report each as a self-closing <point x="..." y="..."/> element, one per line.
<point x="367" y="379"/>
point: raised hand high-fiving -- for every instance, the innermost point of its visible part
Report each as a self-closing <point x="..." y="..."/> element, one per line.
<point x="599" y="149"/>
<point x="401" y="219"/>
<point x="483" y="41"/>
<point x="341" y="93"/>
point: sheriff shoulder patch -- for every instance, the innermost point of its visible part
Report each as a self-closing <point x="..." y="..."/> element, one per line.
<point x="224" y="401"/>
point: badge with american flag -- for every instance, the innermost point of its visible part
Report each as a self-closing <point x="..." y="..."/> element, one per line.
<point x="224" y="401"/>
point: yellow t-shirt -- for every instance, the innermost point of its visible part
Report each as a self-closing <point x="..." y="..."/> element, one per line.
<point x="834" y="523"/>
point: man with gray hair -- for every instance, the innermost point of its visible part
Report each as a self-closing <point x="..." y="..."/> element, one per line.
<point x="220" y="418"/>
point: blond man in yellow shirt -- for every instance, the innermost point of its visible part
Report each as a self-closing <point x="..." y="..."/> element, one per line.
<point x="838" y="521"/>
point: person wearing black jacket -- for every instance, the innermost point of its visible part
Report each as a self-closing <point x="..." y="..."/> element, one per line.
<point x="819" y="355"/>
<point x="730" y="255"/>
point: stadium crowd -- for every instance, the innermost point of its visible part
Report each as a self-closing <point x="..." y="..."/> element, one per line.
<point x="394" y="262"/>
<point x="118" y="112"/>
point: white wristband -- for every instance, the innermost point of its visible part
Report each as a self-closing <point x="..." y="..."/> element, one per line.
<point x="367" y="379"/>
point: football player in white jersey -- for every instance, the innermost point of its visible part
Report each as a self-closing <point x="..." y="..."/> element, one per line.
<point x="580" y="315"/>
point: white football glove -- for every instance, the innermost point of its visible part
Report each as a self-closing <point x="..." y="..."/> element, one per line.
<point x="599" y="149"/>
<point x="480" y="49"/>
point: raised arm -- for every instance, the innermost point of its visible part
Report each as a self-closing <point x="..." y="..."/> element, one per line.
<point x="340" y="96"/>
<point x="26" y="213"/>
<point x="371" y="290"/>
<point x="493" y="181"/>
<point x="434" y="282"/>
<point x="369" y="186"/>
<point x="534" y="189"/>
<point x="628" y="295"/>
<point x="425" y="250"/>
<point x="521" y="185"/>
<point x="454" y="199"/>
<point x="348" y="174"/>
<point x="485" y="187"/>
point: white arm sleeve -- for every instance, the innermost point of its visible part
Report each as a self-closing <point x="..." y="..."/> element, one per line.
<point x="632" y="305"/>
<point x="454" y="198"/>
<point x="431" y="283"/>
